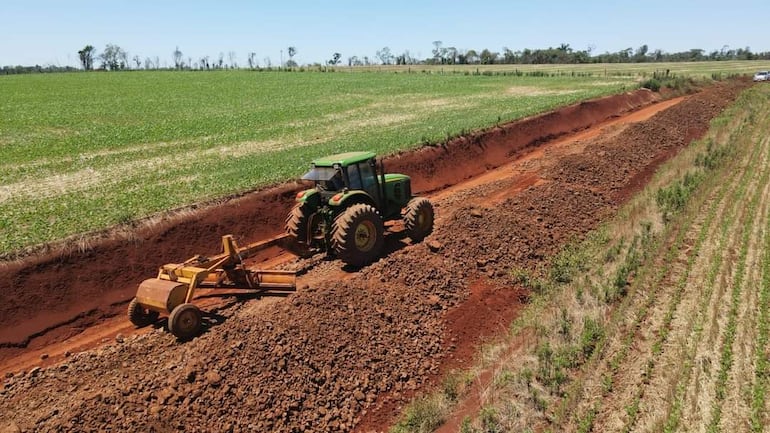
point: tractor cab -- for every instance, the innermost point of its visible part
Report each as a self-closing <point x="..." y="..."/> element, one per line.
<point x="356" y="174"/>
<point x="346" y="170"/>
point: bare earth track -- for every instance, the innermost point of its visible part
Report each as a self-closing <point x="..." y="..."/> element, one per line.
<point x="350" y="347"/>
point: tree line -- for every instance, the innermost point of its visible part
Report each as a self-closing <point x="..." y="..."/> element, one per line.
<point x="115" y="58"/>
<point x="564" y="54"/>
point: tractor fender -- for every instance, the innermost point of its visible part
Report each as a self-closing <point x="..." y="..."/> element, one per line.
<point x="348" y="198"/>
<point x="309" y="196"/>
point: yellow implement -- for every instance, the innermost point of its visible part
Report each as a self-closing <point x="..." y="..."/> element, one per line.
<point x="172" y="291"/>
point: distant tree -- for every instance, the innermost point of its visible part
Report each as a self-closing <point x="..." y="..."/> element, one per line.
<point x="177" y="55"/>
<point x="438" y="52"/>
<point x="641" y="54"/>
<point x="508" y="56"/>
<point x="231" y="55"/>
<point x="292" y="52"/>
<point x="147" y="63"/>
<point x="450" y="55"/>
<point x="268" y="63"/>
<point x="114" y="58"/>
<point x="487" y="57"/>
<point x="124" y="60"/>
<point x="405" y="59"/>
<point x="354" y="61"/>
<point x="137" y="61"/>
<point x="745" y="54"/>
<point x="471" y="56"/>
<point x="462" y="58"/>
<point x="86" y="56"/>
<point x="251" y="59"/>
<point x="335" y="60"/>
<point x="582" y="56"/>
<point x="221" y="60"/>
<point x="696" y="54"/>
<point x="385" y="56"/>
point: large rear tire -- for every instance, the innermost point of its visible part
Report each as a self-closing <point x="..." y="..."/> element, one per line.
<point x="297" y="228"/>
<point x="140" y="316"/>
<point x="418" y="218"/>
<point x="185" y="321"/>
<point x="296" y="222"/>
<point x="358" y="235"/>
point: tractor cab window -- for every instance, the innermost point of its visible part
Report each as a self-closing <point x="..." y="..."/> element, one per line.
<point x="368" y="180"/>
<point x="354" y="176"/>
<point x="361" y="176"/>
<point x="329" y="178"/>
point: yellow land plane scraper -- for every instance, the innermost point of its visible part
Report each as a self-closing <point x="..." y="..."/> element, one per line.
<point x="172" y="291"/>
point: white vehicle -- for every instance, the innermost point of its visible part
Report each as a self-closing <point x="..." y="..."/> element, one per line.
<point x="762" y="76"/>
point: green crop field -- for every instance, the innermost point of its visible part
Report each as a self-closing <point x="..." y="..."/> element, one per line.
<point x="86" y="151"/>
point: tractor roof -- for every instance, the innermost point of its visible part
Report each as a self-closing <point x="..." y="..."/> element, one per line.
<point x="343" y="159"/>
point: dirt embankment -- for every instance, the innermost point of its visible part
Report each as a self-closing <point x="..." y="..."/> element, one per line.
<point x="81" y="288"/>
<point x="342" y="354"/>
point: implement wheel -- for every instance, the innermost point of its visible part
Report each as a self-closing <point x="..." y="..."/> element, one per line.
<point x="418" y="218"/>
<point x="140" y="316"/>
<point x="357" y="236"/>
<point x="185" y="321"/>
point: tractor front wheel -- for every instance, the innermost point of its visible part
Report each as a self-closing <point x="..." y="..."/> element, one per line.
<point x="358" y="235"/>
<point x="140" y="316"/>
<point x="418" y="218"/>
<point x="185" y="321"/>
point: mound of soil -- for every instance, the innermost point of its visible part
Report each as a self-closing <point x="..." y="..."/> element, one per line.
<point x="343" y="353"/>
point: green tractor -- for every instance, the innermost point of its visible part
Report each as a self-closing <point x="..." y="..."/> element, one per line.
<point x="344" y="213"/>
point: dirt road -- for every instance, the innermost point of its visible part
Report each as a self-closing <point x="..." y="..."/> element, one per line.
<point x="350" y="347"/>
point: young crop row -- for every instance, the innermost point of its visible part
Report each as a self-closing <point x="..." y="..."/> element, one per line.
<point x="744" y="226"/>
<point x="672" y="355"/>
<point x="762" y="363"/>
<point x="679" y="347"/>
<point x="82" y="152"/>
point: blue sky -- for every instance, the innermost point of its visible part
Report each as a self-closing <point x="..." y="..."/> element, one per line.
<point x="51" y="32"/>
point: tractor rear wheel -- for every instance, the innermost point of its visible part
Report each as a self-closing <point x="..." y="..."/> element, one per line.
<point x="297" y="229"/>
<point x="140" y="316"/>
<point x="185" y="321"/>
<point x="358" y="235"/>
<point x="418" y="218"/>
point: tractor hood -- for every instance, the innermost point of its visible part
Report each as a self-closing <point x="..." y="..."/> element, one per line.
<point x="393" y="177"/>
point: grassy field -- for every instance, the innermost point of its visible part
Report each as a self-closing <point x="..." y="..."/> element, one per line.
<point x="684" y="346"/>
<point x="81" y="152"/>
